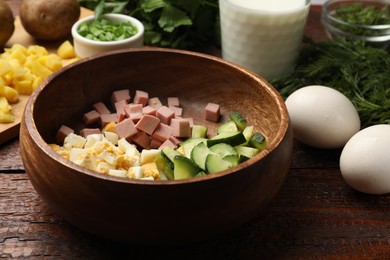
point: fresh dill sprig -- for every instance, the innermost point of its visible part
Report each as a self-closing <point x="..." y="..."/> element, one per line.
<point x="360" y="72"/>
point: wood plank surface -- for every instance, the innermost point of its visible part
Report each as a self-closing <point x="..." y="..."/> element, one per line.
<point x="314" y="216"/>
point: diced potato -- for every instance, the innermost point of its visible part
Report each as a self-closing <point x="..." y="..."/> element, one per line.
<point x="23" y="87"/>
<point x="9" y="93"/>
<point x="6" y="117"/>
<point x="5" y="68"/>
<point x="39" y="70"/>
<point x="5" y="111"/>
<point x="51" y="61"/>
<point x="4" y="105"/>
<point x="37" y="50"/>
<point x="66" y="51"/>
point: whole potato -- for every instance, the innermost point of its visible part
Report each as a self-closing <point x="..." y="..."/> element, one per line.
<point x="49" y="19"/>
<point x="7" y="26"/>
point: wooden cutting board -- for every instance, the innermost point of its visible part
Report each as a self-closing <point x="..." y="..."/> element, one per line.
<point x="11" y="130"/>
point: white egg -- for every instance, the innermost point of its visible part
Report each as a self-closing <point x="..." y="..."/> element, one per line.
<point x="322" y="117"/>
<point x="365" y="160"/>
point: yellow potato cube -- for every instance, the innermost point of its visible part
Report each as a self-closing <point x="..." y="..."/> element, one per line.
<point x="16" y="47"/>
<point x="66" y="50"/>
<point x="51" y="61"/>
<point x="37" y="50"/>
<point x="39" y="70"/>
<point x="4" y="105"/>
<point x="23" y="87"/>
<point x="36" y="82"/>
<point x="5" y="67"/>
<point x="6" y="117"/>
<point x="9" y="93"/>
<point x="18" y="54"/>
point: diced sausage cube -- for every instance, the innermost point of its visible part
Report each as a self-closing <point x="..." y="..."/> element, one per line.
<point x="126" y="128"/>
<point x="155" y="102"/>
<point x="189" y="119"/>
<point x="118" y="95"/>
<point x="141" y="97"/>
<point x="120" y="107"/>
<point x="148" y="110"/>
<point x="91" y="117"/>
<point x="148" y="124"/>
<point x="63" y="132"/>
<point x="180" y="127"/>
<point x="212" y="112"/>
<point x="89" y="131"/>
<point x="134" y="111"/>
<point x="142" y="139"/>
<point x="165" y="115"/>
<point x="155" y="143"/>
<point x="173" y="101"/>
<point x="178" y="111"/>
<point x="174" y="140"/>
<point x="168" y="143"/>
<point x="108" y="118"/>
<point x="162" y="132"/>
<point x="101" y="108"/>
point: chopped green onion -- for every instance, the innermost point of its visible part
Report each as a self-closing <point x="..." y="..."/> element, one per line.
<point x="104" y="30"/>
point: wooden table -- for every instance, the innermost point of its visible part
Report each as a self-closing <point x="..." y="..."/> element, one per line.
<point x="315" y="215"/>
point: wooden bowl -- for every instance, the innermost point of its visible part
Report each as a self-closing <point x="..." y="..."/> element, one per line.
<point x="156" y="212"/>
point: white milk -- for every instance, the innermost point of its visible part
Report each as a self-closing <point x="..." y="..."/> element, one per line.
<point x="263" y="35"/>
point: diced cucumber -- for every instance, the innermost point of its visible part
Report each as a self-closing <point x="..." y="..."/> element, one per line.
<point x="228" y="126"/>
<point x="202" y="173"/>
<point x="246" y="151"/>
<point x="214" y="164"/>
<point x="170" y="153"/>
<point x="234" y="159"/>
<point x="223" y="149"/>
<point x="199" y="154"/>
<point x="184" y="168"/>
<point x="258" y="141"/>
<point x="190" y="143"/>
<point x="168" y="170"/>
<point x="199" y="131"/>
<point x="239" y="120"/>
<point x="161" y="161"/>
<point x="248" y="132"/>
<point x="233" y="139"/>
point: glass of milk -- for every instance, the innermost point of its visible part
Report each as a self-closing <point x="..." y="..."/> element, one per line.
<point x="263" y="36"/>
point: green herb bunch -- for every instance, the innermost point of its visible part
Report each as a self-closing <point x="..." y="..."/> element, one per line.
<point x="360" y="72"/>
<point x="183" y="24"/>
<point x="362" y="15"/>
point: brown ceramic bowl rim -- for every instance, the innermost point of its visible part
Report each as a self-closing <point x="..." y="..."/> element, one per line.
<point x="38" y="139"/>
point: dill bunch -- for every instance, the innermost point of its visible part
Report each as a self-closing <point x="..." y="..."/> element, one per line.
<point x="360" y="72"/>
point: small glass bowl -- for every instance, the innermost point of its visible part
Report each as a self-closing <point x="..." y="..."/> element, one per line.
<point x="373" y="35"/>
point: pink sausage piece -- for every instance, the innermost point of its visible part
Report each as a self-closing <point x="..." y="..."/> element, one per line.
<point x="62" y="133"/>
<point x="142" y="139"/>
<point x="178" y="110"/>
<point x="173" y="102"/>
<point x="181" y="127"/>
<point x="108" y="118"/>
<point x="212" y="112"/>
<point x="134" y="111"/>
<point x="141" y="97"/>
<point x="101" y="108"/>
<point x="91" y="117"/>
<point x="120" y="107"/>
<point x="89" y="131"/>
<point x="165" y="115"/>
<point x="168" y="143"/>
<point x="155" y="143"/>
<point x="148" y="124"/>
<point x="148" y="110"/>
<point x="118" y="95"/>
<point x="155" y="103"/>
<point x="162" y="132"/>
<point x="126" y="128"/>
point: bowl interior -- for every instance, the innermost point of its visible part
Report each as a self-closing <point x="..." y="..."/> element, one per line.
<point x="196" y="79"/>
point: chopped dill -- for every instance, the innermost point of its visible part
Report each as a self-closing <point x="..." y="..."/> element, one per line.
<point x="360" y="72"/>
